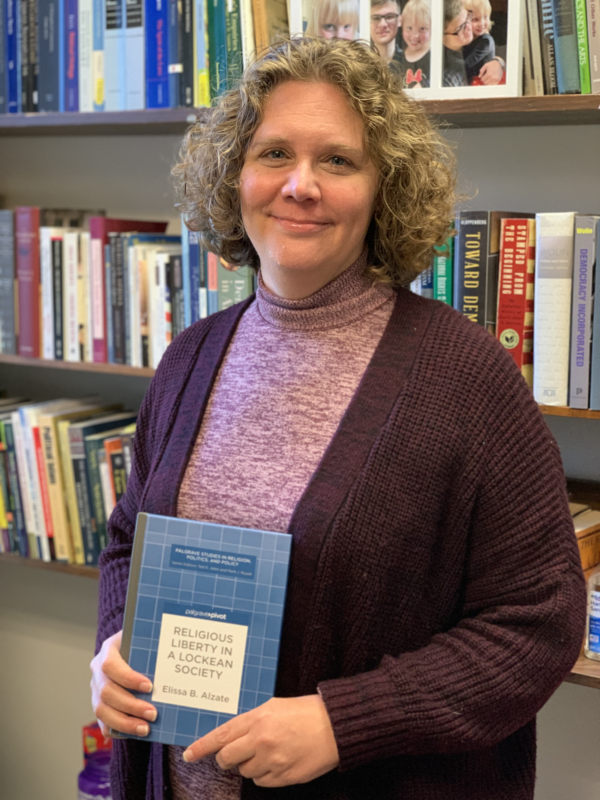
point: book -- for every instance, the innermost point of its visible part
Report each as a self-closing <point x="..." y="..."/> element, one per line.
<point x="6" y="436"/>
<point x="157" y="60"/>
<point x="13" y="58"/>
<point x="8" y="342"/>
<point x="270" y="22"/>
<point x="553" y="283"/>
<point x="583" y="47"/>
<point x="174" y="50"/>
<point x="56" y="248"/>
<point x="584" y="260"/>
<point x="247" y="31"/>
<point x="595" y="353"/>
<point x="93" y="444"/>
<point x="548" y="51"/>
<point x="212" y="282"/>
<point x="47" y="234"/>
<point x="516" y="292"/>
<point x="24" y="484"/>
<point x="535" y="46"/>
<point x="209" y="656"/>
<point x="85" y="42"/>
<point x="71" y="291"/>
<point x="84" y="306"/>
<point x="27" y="269"/>
<point x="71" y="48"/>
<point x="233" y="40"/>
<point x="589" y="550"/>
<point x="217" y="52"/>
<point x="26" y="23"/>
<point x="566" y="46"/>
<point x="3" y="83"/>
<point x="175" y="284"/>
<point x="593" y="19"/>
<point x="186" y="35"/>
<point x="113" y="447"/>
<point x="442" y="272"/>
<point x="135" y="56"/>
<point x="586" y="522"/>
<point x="49" y="77"/>
<point x="98" y="15"/>
<point x="201" y="59"/>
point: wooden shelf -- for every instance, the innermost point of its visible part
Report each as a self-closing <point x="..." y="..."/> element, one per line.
<point x="475" y="113"/>
<point x="78" y="366"/>
<point x="585" y="672"/>
<point x="50" y="566"/>
<point x="153" y="122"/>
<point x="564" y="411"/>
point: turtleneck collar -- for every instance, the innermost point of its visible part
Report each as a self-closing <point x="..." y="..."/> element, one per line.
<point x="345" y="300"/>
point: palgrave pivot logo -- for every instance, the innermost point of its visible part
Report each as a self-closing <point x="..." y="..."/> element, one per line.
<point x="509" y="338"/>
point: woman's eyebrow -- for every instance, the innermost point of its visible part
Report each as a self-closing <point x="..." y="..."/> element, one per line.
<point x="337" y="147"/>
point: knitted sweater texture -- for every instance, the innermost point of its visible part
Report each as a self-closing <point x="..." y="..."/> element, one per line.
<point x="435" y="598"/>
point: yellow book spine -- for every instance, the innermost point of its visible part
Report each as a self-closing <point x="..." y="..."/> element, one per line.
<point x="71" y="497"/>
<point x="56" y="495"/>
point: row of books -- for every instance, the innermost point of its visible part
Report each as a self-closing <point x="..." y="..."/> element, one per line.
<point x="94" y="289"/>
<point x="64" y="465"/>
<point x="561" y="50"/>
<point x="112" y="55"/>
<point x="499" y="265"/>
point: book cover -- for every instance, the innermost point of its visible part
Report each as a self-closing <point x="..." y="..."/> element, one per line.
<point x="49" y="76"/>
<point x="553" y="283"/>
<point x="99" y="13"/>
<point x="233" y="39"/>
<point x="470" y="264"/>
<point x="443" y="272"/>
<point x="8" y="341"/>
<point x="217" y="53"/>
<point x="201" y="59"/>
<point x="566" y="46"/>
<point x="135" y="56"/>
<point x="516" y="292"/>
<point x="13" y="58"/>
<point x="113" y="55"/>
<point x="548" y="51"/>
<point x="100" y="227"/>
<point x="85" y="42"/>
<point x="157" y="55"/>
<point x="583" y="47"/>
<point x="27" y="265"/>
<point x="71" y="47"/>
<point x="210" y="641"/>
<point x="584" y="261"/>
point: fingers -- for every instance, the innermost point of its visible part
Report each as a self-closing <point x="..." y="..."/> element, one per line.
<point x="236" y="754"/>
<point x="217" y="739"/>
<point x="118" y="670"/>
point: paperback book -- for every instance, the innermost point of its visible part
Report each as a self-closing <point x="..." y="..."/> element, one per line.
<point x="203" y="621"/>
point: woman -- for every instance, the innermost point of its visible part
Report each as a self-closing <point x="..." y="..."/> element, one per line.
<point x="435" y="598"/>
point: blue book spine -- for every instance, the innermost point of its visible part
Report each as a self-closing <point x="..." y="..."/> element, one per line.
<point x="13" y="56"/>
<point x="61" y="54"/>
<point x="565" y="47"/>
<point x="71" y="57"/>
<point x="581" y="311"/>
<point x="3" y="80"/>
<point x="113" y="56"/>
<point x="135" y="57"/>
<point x="595" y="358"/>
<point x="99" y="12"/>
<point x="157" y="58"/>
<point x="174" y="49"/>
<point x="185" y="265"/>
<point x="110" y="338"/>
<point x="195" y="275"/>
<point x="49" y="77"/>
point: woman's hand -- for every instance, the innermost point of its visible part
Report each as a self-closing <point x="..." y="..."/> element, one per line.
<point x="283" y="742"/>
<point x="491" y="73"/>
<point x="113" y="705"/>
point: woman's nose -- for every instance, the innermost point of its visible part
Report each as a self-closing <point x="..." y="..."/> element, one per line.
<point x="301" y="183"/>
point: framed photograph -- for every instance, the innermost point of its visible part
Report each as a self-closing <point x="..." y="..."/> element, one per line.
<point x="341" y="19"/>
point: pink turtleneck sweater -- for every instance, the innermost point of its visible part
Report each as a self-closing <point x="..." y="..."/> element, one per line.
<point x="287" y="378"/>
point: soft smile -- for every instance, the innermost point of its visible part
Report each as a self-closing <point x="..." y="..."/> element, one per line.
<point x="293" y="225"/>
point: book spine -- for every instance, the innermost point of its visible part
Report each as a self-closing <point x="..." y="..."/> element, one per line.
<point x="117" y="297"/>
<point x="203" y="283"/>
<point x="109" y="322"/>
<point x="515" y="297"/>
<point x="581" y="311"/>
<point x="593" y="16"/>
<point x="98" y="299"/>
<point x="233" y="39"/>
<point x="175" y="53"/>
<point x="26" y="88"/>
<point x="43" y="483"/>
<point x="583" y="47"/>
<point x="86" y="519"/>
<point x="157" y="63"/>
<point x="8" y="342"/>
<point x="217" y="52"/>
<point x="185" y="257"/>
<point x="85" y="39"/>
<point x="194" y="268"/>
<point x="95" y="491"/>
<point x="116" y="467"/>
<point x="47" y="296"/>
<point x="34" y="484"/>
<point x="13" y="57"/>
<point x="565" y="46"/>
<point x="134" y="304"/>
<point x="427" y="283"/>
<point x="553" y="282"/>
<point x="84" y="309"/>
<point x="107" y="490"/>
<point x="27" y="245"/>
<point x="589" y="550"/>
<point x="128" y="300"/>
<point x="470" y="265"/>
<point x="442" y="272"/>
<point x="247" y="31"/>
<point x="71" y="73"/>
<point x="57" y="297"/>
<point x="533" y="22"/>
<point x="548" y="50"/>
<point x="177" y="304"/>
<point x="8" y="523"/>
<point x="595" y="355"/>
<point x="158" y="331"/>
<point x="60" y="524"/>
<point x="127" y="442"/>
<point x="24" y="484"/>
<point x="99" y="13"/>
<point x="70" y="296"/>
<point x="61" y="53"/>
<point x="15" y="488"/>
<point x="113" y="63"/>
<point x="70" y="493"/>
<point x="5" y="543"/>
<point x="145" y="279"/>
<point x="48" y="56"/>
<point x="187" y="53"/>
<point x="135" y="67"/>
<point x="212" y="282"/>
<point x="3" y="64"/>
<point x="201" y="61"/>
<point x="34" y="57"/>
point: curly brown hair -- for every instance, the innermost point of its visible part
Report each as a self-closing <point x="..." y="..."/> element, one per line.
<point x="415" y="196"/>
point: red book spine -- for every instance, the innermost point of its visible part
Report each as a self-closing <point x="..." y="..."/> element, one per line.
<point x="39" y="457"/>
<point x="515" y="292"/>
<point x="27" y="247"/>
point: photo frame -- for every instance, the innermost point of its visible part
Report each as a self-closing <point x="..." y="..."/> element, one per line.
<point x="344" y="19"/>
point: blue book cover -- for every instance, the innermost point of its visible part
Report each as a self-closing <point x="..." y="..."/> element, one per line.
<point x="203" y="621"/>
<point x="185" y="266"/>
<point x="49" y="75"/>
<point x="71" y="56"/>
<point x="13" y="57"/>
<point x="98" y="15"/>
<point x="61" y="53"/>
<point x="565" y="47"/>
<point x="135" y="56"/>
<point x="174" y="49"/>
<point x="3" y="83"/>
<point x="195" y="269"/>
<point x="114" y="65"/>
<point x="157" y="53"/>
<point x="595" y="357"/>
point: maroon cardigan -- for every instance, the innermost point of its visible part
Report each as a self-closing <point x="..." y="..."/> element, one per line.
<point x="436" y="598"/>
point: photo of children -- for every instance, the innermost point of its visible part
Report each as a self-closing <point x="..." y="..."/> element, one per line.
<point x="470" y="56"/>
<point x="331" y="19"/>
<point x="413" y="57"/>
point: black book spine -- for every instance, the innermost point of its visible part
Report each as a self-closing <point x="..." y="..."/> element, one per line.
<point x="26" y="96"/>
<point x="57" y="296"/>
<point x="118" y="308"/>
<point x="34" y="60"/>
<point x="48" y="79"/>
<point x="470" y="264"/>
<point x="86" y="518"/>
<point x="548" y="52"/>
<point x="187" y="53"/>
<point x="177" y="299"/>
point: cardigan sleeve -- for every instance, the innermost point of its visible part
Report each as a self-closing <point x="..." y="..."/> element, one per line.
<point x="522" y="617"/>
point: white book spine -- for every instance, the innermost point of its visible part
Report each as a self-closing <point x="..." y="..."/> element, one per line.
<point x="247" y="25"/>
<point x="533" y="22"/>
<point x="85" y="48"/>
<point x="23" y="473"/>
<point x="85" y="306"/>
<point x="29" y="418"/>
<point x="159" y="332"/>
<point x="203" y="302"/>
<point x="97" y="288"/>
<point x="46" y="279"/>
<point x="70" y="305"/>
<point x="553" y="285"/>
<point x="107" y="490"/>
<point x="593" y="29"/>
<point x="134" y="305"/>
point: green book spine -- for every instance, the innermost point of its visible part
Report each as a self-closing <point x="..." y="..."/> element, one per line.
<point x="95" y="488"/>
<point x="442" y="272"/>
<point x="217" y="50"/>
<point x="235" y="284"/>
<point x="233" y="36"/>
<point x="582" y="47"/>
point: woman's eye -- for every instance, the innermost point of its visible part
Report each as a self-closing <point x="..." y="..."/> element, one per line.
<point x="338" y="161"/>
<point x="275" y="154"/>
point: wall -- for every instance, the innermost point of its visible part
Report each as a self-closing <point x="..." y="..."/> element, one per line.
<point x="47" y="620"/>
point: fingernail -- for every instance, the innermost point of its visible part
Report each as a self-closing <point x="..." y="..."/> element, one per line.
<point x="150" y="714"/>
<point x="145" y="687"/>
<point x="188" y="755"/>
<point x="142" y="730"/>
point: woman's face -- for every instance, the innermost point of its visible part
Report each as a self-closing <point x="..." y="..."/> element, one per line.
<point x="307" y="186"/>
<point x="333" y="30"/>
